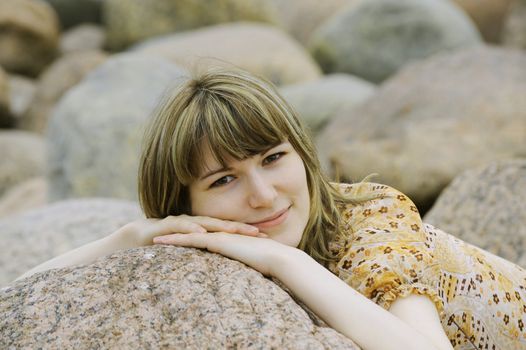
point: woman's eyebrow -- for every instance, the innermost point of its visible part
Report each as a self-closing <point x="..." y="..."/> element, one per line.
<point x="213" y="172"/>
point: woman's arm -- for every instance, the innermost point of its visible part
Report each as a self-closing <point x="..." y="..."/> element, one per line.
<point x="141" y="233"/>
<point x="345" y="309"/>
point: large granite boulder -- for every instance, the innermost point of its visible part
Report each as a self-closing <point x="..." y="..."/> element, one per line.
<point x="95" y="131"/>
<point x="40" y="234"/>
<point x="488" y="15"/>
<point x="485" y="206"/>
<point x="72" y="13"/>
<point x="27" y="195"/>
<point x="318" y="101"/>
<point x="377" y="37"/>
<point x="301" y="17"/>
<point x="54" y="82"/>
<point x="29" y="35"/>
<point x="257" y="48"/>
<point x="432" y="121"/>
<point x="22" y="156"/>
<point x="161" y="297"/>
<point x="6" y="119"/>
<point x="514" y="32"/>
<point x="131" y="21"/>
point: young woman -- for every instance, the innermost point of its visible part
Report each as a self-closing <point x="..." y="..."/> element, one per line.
<point x="228" y="167"/>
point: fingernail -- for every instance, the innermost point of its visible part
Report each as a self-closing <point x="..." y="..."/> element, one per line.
<point x="253" y="228"/>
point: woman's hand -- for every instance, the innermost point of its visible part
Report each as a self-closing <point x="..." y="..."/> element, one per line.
<point x="264" y="255"/>
<point x="143" y="231"/>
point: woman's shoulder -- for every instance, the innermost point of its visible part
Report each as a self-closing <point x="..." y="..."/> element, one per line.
<point x="368" y="189"/>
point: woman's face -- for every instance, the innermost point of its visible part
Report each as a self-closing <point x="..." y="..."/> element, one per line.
<point x="268" y="190"/>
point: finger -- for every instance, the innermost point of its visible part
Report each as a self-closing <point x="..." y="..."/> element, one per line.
<point x="172" y="224"/>
<point x="216" y="225"/>
<point x="195" y="240"/>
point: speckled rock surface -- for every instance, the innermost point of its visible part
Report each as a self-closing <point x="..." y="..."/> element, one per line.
<point x="22" y="156"/>
<point x="158" y="297"/>
<point x="375" y="38"/>
<point x="318" y="101"/>
<point x="38" y="235"/>
<point x="131" y="21"/>
<point x="485" y="206"/>
<point x="257" y="48"/>
<point x="95" y="131"/>
<point x="432" y="121"/>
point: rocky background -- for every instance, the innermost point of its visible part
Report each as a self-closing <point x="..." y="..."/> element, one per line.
<point x="429" y="94"/>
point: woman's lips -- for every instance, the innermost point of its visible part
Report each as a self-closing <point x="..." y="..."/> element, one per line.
<point x="281" y="216"/>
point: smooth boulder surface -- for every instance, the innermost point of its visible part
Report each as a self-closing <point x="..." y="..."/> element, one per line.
<point x="131" y="21"/>
<point x="375" y="38"/>
<point x="514" y="32"/>
<point x="21" y="92"/>
<point x="84" y="37"/>
<point x="54" y="82"/>
<point x="488" y="15"/>
<point x="6" y="119"/>
<point x="22" y="156"/>
<point x="29" y="36"/>
<point x="37" y="235"/>
<point x="318" y="101"/>
<point x="432" y="121"/>
<point x="27" y="195"/>
<point x="301" y="17"/>
<point x="261" y="49"/>
<point x="158" y="297"/>
<point x="95" y="131"/>
<point x="72" y="13"/>
<point x="485" y="206"/>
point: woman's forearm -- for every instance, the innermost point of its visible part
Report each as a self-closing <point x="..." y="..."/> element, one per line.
<point x="120" y="239"/>
<point x="343" y="308"/>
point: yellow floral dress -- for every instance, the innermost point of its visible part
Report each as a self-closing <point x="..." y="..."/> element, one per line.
<point x="385" y="251"/>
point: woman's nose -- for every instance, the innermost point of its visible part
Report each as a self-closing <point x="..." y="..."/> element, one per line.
<point x="262" y="192"/>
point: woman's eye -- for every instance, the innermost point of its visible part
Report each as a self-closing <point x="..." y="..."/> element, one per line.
<point x="273" y="157"/>
<point x="222" y="181"/>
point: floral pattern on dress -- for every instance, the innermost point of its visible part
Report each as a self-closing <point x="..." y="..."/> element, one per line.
<point x="385" y="251"/>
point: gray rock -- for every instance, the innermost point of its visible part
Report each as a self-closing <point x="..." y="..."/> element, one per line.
<point x="95" y="132"/>
<point x="488" y="15"/>
<point x="72" y="13"/>
<point x="40" y="234"/>
<point x="131" y="21"/>
<point x="485" y="206"/>
<point x="301" y="17"/>
<point x="54" y="82"/>
<point x="318" y="101"/>
<point x="27" y="195"/>
<point x="432" y="121"/>
<point x="6" y="118"/>
<point x="514" y="32"/>
<point x="158" y="297"/>
<point x="261" y="49"/>
<point x="21" y="92"/>
<point x="29" y="36"/>
<point x="84" y="37"/>
<point x="377" y="37"/>
<point x="22" y="157"/>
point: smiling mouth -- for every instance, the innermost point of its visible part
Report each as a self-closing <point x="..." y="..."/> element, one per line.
<point x="273" y="220"/>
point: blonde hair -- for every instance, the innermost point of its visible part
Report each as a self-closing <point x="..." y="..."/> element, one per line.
<point x="238" y="115"/>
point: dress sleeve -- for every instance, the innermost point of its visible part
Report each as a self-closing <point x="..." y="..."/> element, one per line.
<point x="386" y="254"/>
